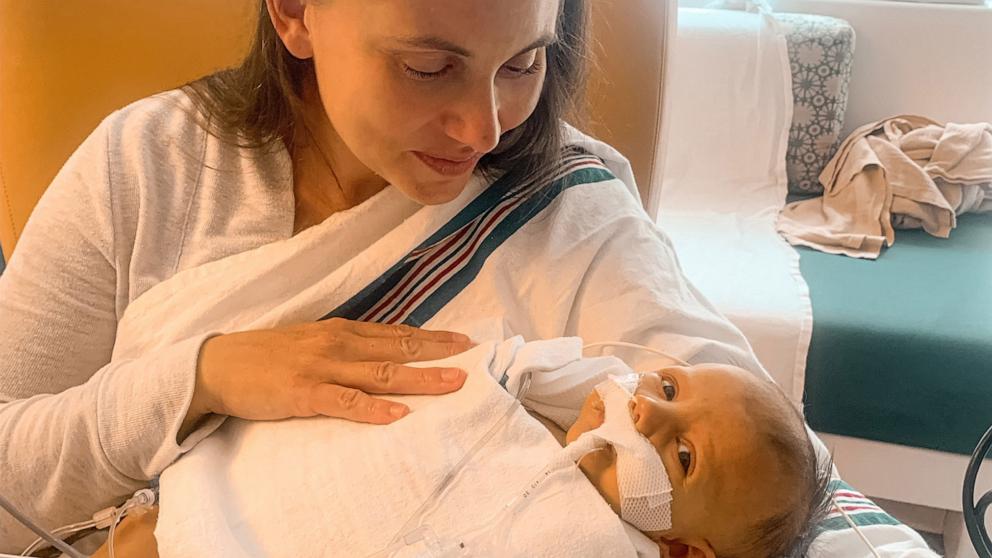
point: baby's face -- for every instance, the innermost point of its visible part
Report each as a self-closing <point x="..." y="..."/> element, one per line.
<point x="701" y="421"/>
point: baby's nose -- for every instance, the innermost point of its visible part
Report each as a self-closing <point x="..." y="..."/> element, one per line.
<point x="651" y="417"/>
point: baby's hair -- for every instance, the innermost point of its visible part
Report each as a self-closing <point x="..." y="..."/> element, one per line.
<point x="790" y="532"/>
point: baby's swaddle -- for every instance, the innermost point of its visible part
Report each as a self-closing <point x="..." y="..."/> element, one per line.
<point x="327" y="487"/>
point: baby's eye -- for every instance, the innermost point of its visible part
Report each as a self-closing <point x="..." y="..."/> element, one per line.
<point x="685" y="456"/>
<point x="668" y="387"/>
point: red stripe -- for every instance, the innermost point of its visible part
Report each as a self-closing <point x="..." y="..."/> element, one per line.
<point x="412" y="275"/>
<point x="857" y="508"/>
<point x="849" y="494"/>
<point x="484" y="230"/>
<point x="385" y="302"/>
<point x="451" y="266"/>
<point x="415" y="273"/>
<point x="481" y="232"/>
<point x="578" y="163"/>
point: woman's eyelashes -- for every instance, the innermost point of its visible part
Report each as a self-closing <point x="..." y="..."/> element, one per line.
<point x="426" y="76"/>
<point x="514" y="68"/>
<point x="529" y="70"/>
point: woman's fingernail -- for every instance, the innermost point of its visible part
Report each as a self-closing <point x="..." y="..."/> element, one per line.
<point x="462" y="338"/>
<point x="398" y="411"/>
<point x="451" y="374"/>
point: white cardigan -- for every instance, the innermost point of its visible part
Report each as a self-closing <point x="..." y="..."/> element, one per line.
<point x="133" y="206"/>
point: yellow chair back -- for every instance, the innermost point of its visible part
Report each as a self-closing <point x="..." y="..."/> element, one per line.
<point x="66" y="65"/>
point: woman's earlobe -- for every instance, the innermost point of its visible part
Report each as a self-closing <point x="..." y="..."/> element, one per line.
<point x="289" y="20"/>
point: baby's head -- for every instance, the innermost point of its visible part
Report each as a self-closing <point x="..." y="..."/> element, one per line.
<point x="744" y="474"/>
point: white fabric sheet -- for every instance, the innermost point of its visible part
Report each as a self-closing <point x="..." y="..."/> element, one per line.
<point x="730" y="107"/>
<point x="337" y="488"/>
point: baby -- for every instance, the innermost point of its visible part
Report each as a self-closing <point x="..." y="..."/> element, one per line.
<point x="744" y="474"/>
<point x="742" y="469"/>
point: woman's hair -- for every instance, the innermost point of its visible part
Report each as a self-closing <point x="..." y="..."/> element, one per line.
<point x="259" y="102"/>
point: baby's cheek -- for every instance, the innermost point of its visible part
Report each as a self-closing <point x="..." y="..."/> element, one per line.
<point x="686" y="516"/>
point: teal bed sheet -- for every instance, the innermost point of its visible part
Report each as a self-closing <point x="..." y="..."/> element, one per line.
<point x="902" y="346"/>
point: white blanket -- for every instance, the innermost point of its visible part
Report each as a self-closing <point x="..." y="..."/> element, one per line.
<point x="902" y="172"/>
<point x="328" y="487"/>
<point x="729" y="109"/>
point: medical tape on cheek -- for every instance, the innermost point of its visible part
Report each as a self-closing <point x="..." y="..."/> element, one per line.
<point x="642" y="480"/>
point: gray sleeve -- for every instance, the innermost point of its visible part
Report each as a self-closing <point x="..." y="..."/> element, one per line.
<point x="78" y="433"/>
<point x="68" y="455"/>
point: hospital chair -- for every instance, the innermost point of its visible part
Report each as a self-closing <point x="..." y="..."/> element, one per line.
<point x="65" y="66"/>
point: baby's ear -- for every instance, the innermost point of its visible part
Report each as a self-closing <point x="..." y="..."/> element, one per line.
<point x="694" y="548"/>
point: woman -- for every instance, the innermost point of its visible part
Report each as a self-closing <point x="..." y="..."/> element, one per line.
<point x="168" y="277"/>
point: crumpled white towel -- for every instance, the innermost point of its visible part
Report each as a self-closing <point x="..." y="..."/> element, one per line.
<point x="327" y="487"/>
<point x="898" y="173"/>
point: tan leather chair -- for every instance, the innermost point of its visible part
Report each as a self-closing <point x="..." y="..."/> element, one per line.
<point x="65" y="65"/>
<point x="626" y="88"/>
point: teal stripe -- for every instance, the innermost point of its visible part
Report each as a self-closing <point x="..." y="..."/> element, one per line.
<point x="365" y="299"/>
<point x="517" y="218"/>
<point x="838" y="484"/>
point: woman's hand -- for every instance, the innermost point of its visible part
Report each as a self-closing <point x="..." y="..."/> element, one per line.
<point x="331" y="368"/>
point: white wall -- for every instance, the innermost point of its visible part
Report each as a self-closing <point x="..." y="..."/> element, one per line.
<point x="929" y="59"/>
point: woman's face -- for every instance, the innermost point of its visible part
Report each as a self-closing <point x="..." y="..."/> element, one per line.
<point x="419" y="90"/>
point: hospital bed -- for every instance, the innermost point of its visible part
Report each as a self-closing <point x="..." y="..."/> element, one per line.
<point x="64" y="69"/>
<point x="897" y="376"/>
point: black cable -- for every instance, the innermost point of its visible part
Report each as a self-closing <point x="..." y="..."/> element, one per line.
<point x="974" y="515"/>
<point x="49" y="551"/>
<point x="40" y="531"/>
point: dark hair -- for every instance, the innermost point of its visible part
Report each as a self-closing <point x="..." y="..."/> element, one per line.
<point x="259" y="102"/>
<point x="790" y="531"/>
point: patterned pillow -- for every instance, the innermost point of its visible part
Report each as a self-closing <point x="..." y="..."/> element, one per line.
<point x="821" y="53"/>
